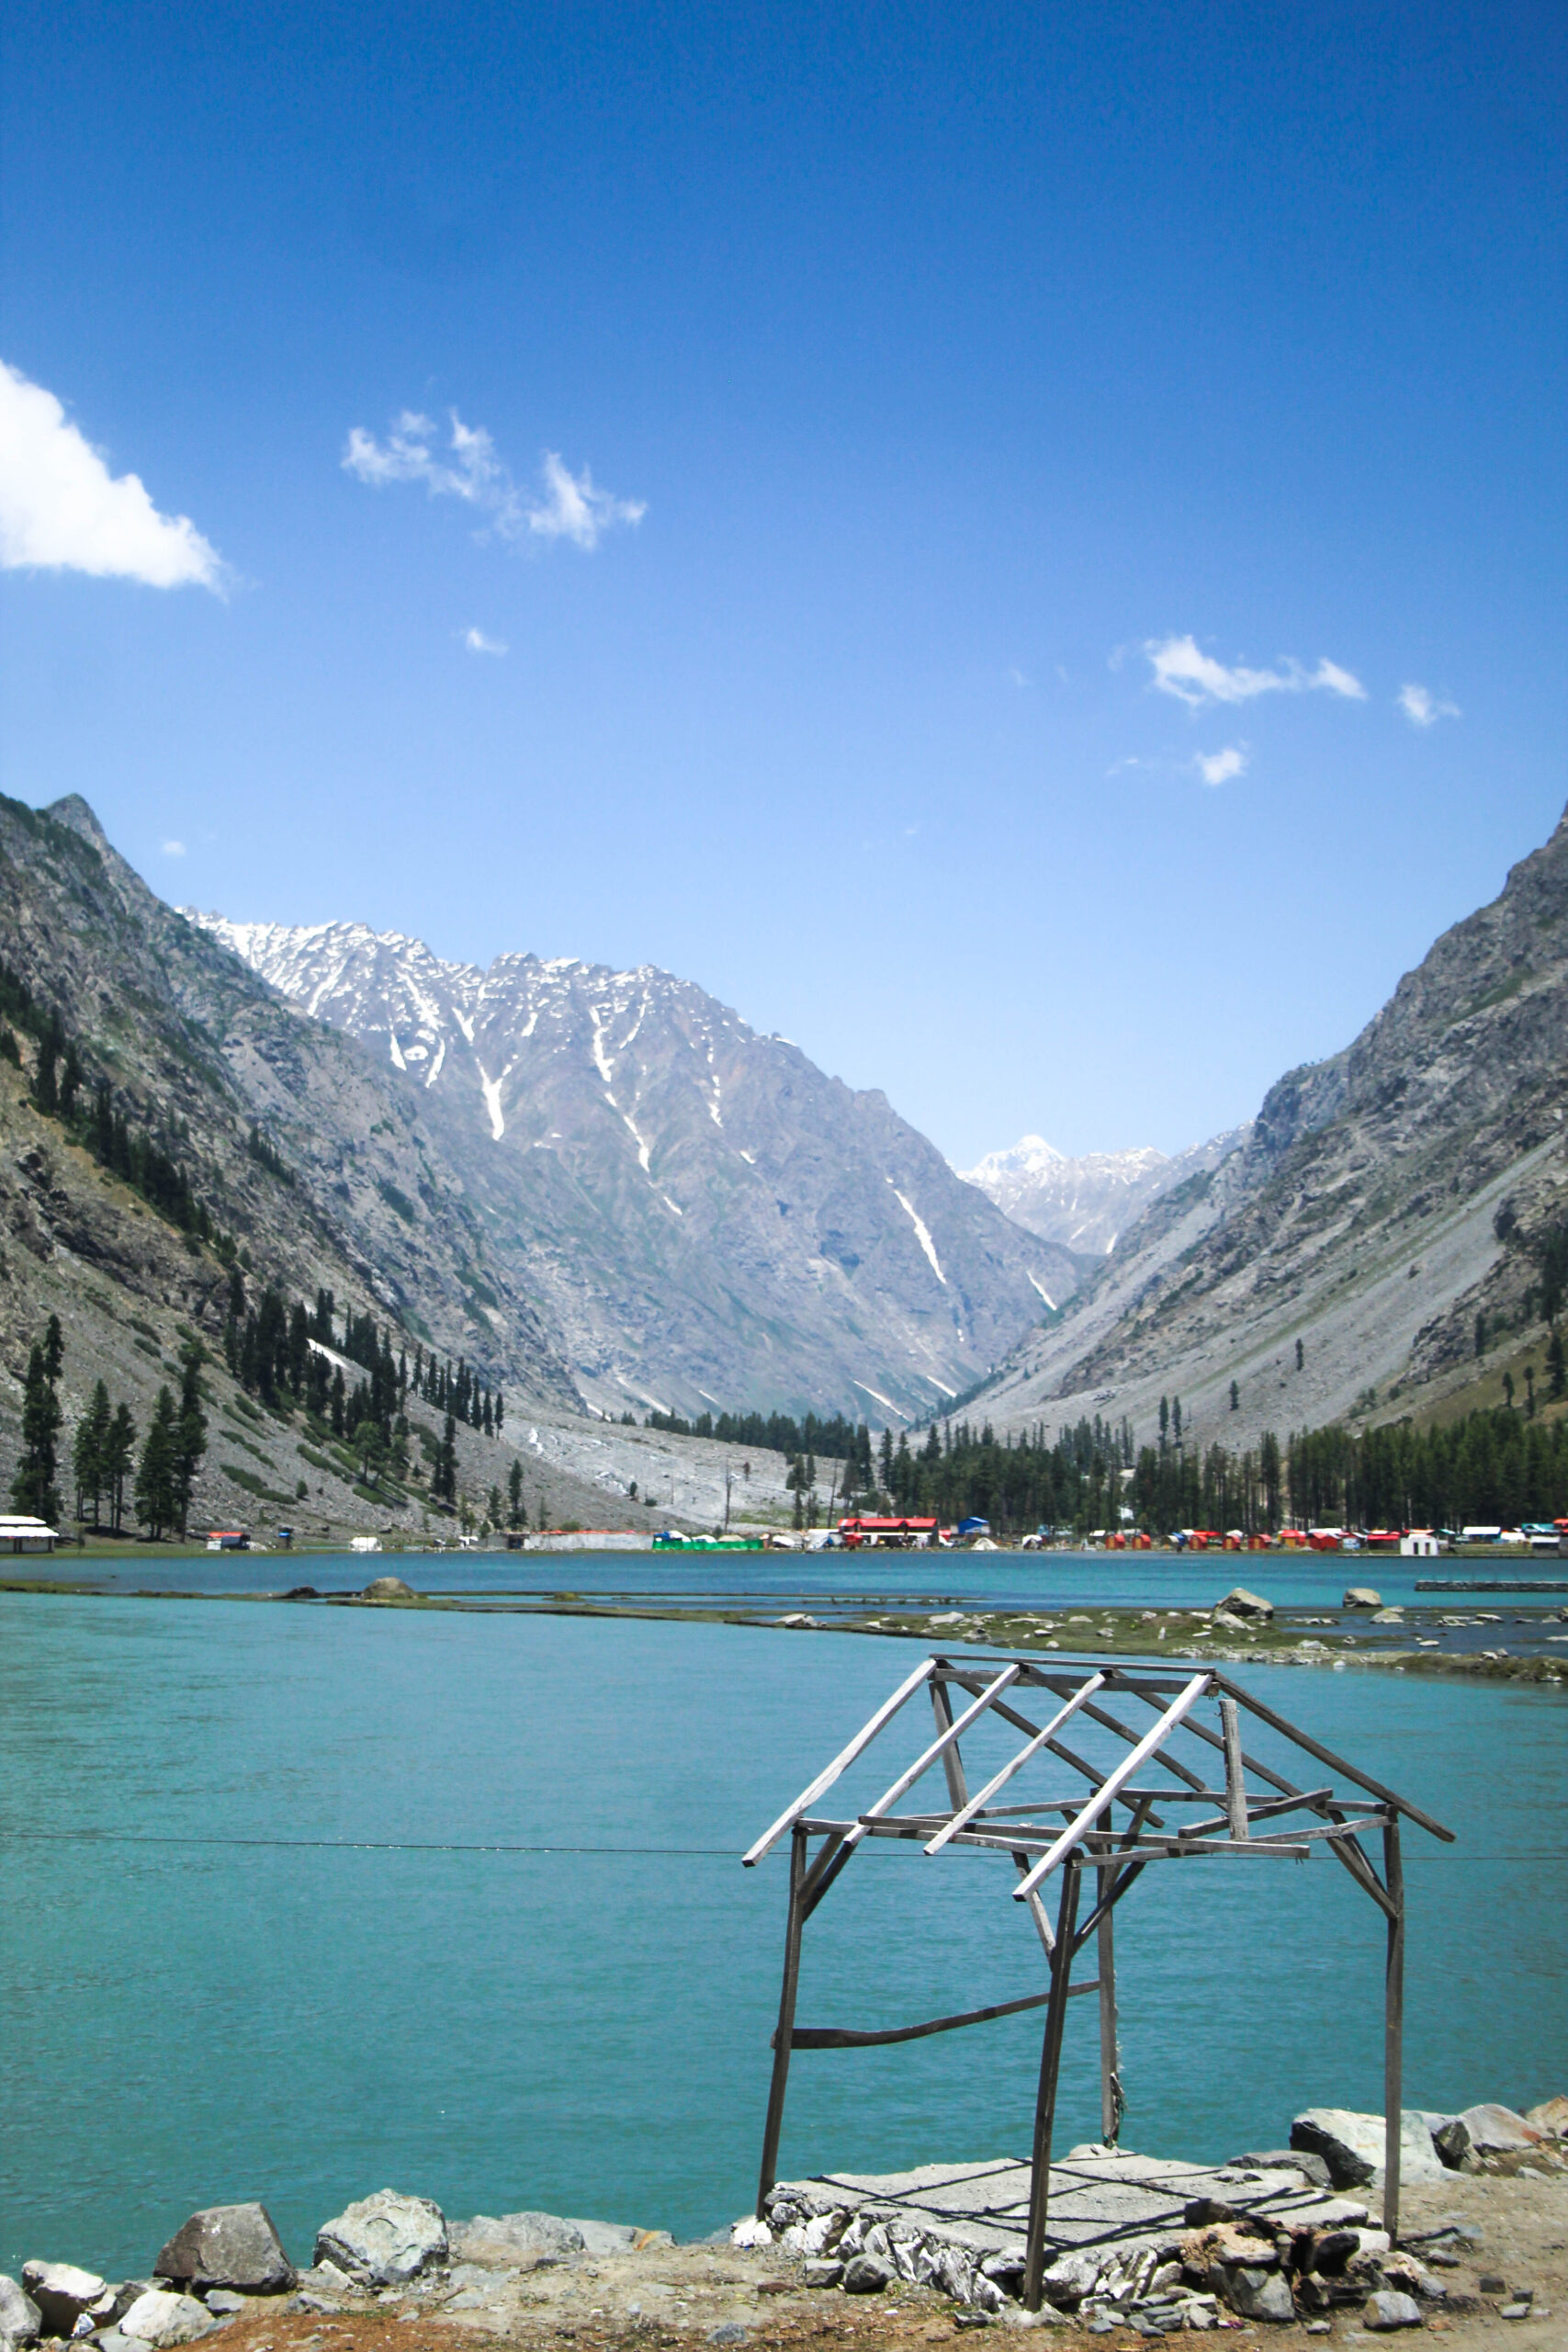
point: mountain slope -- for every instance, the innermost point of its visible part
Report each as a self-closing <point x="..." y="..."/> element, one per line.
<point x="704" y="1215"/>
<point x="1381" y="1201"/>
<point x="1087" y="1203"/>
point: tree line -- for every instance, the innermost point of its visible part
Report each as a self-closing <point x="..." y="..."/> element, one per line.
<point x="104" y="1449"/>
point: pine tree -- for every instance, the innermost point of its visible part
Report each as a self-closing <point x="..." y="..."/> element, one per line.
<point x="1235" y="1398"/>
<point x="189" y="1440"/>
<point x="1556" y="1370"/>
<point x="155" y="1498"/>
<point x="89" y="1451"/>
<point x="516" y="1516"/>
<point x="53" y="1351"/>
<point x="1301" y="1355"/>
<point x="33" y="1489"/>
<point x="119" y="1452"/>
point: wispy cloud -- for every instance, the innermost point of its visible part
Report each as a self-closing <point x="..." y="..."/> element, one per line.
<point x="478" y="642"/>
<point x="571" y="506"/>
<point x="61" y="510"/>
<point x="1422" y="707"/>
<point x="1181" y="668"/>
<point x="174" y="849"/>
<point x="1219" y="767"/>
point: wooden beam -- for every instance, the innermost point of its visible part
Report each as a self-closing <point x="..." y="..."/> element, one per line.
<point x="1100" y="1802"/>
<point x="840" y="1765"/>
<point x="951" y="1762"/>
<point x="1045" y="2097"/>
<point x="1393" y="2030"/>
<point x="785" y="2027"/>
<point x="1016" y="1763"/>
<point x="1335" y="1763"/>
<point x="1236" y="1775"/>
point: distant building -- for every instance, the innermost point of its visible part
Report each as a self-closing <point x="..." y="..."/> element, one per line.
<point x="19" y="1534"/>
<point x="1419" y="1545"/>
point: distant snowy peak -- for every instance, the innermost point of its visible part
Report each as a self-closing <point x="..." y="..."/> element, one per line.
<point x="1085" y="1203"/>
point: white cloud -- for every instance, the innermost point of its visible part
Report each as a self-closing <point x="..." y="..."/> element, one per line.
<point x="174" y="849"/>
<point x="478" y="642"/>
<point x="1219" y="767"/>
<point x="1194" y="677"/>
<point x="572" y="507"/>
<point x="61" y="510"/>
<point x="1421" y="709"/>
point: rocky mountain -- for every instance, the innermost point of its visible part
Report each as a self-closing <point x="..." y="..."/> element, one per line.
<point x="702" y="1215"/>
<point x="305" y="1151"/>
<point x="1085" y="1204"/>
<point x="1336" y="1262"/>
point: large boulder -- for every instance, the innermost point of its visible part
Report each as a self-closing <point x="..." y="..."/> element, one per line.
<point x="62" y="2294"/>
<point x="1550" y="2118"/>
<point x="1351" y="2146"/>
<point x="503" y="2237"/>
<point x="1242" y="1603"/>
<point x="19" y="2318"/>
<point x="158" y="2319"/>
<point x="228" y="2246"/>
<point x="385" y="2240"/>
<point x="1361" y="1596"/>
<point x="1497" y="2130"/>
<point x="388" y="1589"/>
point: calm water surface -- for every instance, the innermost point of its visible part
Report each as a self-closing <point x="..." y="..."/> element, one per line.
<point x="200" y="2005"/>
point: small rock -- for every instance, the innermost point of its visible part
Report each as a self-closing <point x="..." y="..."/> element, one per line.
<point x="326" y="2279"/>
<point x="1244" y="1604"/>
<point x="1361" y="1596"/>
<point x="748" y="2232"/>
<point x="228" y="2246"/>
<point x="19" y="2316"/>
<point x="224" y="2302"/>
<point x="729" y="2331"/>
<point x="821" y="2273"/>
<point x="1201" y="2211"/>
<point x="1311" y="2168"/>
<point x="385" y="2240"/>
<point x="1495" y="2130"/>
<point x="388" y="1589"/>
<point x="1517" y="2311"/>
<point x="1451" y="2138"/>
<point x="62" y="2292"/>
<point x="1490" y="2284"/>
<point x="1389" y="2309"/>
<point x="1259" y="2294"/>
<point x="160" y="2319"/>
<point x="867" y="2276"/>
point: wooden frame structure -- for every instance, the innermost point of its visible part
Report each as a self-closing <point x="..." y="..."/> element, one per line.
<point x="1117" y="1848"/>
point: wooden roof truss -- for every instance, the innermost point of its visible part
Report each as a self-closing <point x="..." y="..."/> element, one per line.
<point x="1185" y="1788"/>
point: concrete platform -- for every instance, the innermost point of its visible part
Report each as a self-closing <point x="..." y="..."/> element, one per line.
<point x="1100" y="2198"/>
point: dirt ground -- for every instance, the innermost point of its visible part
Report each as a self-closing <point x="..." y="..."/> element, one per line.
<point x="680" y="2297"/>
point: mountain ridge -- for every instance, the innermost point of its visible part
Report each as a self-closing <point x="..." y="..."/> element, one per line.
<point x="1087" y="1202"/>
<point x="1382" y="1200"/>
<point x="705" y="1217"/>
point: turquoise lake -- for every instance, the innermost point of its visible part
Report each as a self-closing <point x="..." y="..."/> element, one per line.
<point x="200" y="2004"/>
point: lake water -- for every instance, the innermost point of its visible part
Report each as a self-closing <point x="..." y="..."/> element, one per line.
<point x="781" y="1580"/>
<point x="252" y="1944"/>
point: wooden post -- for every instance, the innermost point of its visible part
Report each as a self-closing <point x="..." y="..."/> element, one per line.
<point x="1236" y="1771"/>
<point x="782" y="2039"/>
<point x="1045" y="2101"/>
<point x="1110" y="2122"/>
<point x="951" y="1762"/>
<point x="1394" y="2030"/>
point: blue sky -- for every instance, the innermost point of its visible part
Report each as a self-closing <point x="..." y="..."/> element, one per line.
<point x="1008" y="465"/>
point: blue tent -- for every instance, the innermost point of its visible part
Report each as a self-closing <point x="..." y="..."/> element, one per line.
<point x="972" y="1527"/>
